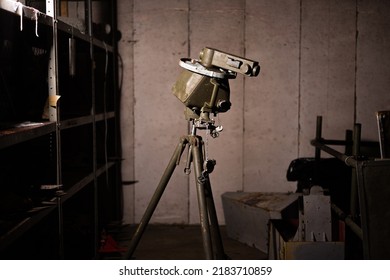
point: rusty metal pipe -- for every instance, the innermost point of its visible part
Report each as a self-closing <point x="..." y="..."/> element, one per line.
<point x="348" y="160"/>
<point x="348" y="221"/>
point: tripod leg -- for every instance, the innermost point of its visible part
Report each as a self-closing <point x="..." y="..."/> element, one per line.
<point x="156" y="197"/>
<point x="215" y="232"/>
<point x="203" y="213"/>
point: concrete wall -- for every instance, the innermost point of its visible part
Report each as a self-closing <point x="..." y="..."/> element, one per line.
<point x="318" y="57"/>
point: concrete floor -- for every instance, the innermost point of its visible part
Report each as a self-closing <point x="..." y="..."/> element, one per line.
<point x="176" y="242"/>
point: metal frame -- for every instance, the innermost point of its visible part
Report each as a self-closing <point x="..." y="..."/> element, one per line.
<point x="369" y="193"/>
<point x="52" y="10"/>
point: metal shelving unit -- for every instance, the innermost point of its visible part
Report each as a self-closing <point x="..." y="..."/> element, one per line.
<point x="75" y="142"/>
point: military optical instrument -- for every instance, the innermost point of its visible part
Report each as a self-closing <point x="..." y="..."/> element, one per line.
<point x="203" y="87"/>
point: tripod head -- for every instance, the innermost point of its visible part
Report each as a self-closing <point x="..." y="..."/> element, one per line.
<point x="203" y="86"/>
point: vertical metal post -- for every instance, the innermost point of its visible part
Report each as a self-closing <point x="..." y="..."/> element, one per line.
<point x="54" y="112"/>
<point x="117" y="132"/>
<point x="354" y="188"/>
<point x="53" y="82"/>
<point x="318" y="136"/>
<point x="88" y="22"/>
<point x="51" y="10"/>
<point x="348" y="140"/>
<point x="88" y="16"/>
<point x="352" y="250"/>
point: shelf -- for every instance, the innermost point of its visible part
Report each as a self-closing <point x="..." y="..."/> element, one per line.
<point x="72" y="30"/>
<point x="75" y="32"/>
<point x="101" y="44"/>
<point x="74" y="122"/>
<point x="29" y="13"/>
<point x="32" y="14"/>
<point x="14" y="133"/>
<point x="18" y="227"/>
<point x="78" y="180"/>
<point x="102" y="116"/>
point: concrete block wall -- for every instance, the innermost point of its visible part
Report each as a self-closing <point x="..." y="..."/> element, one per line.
<point x="318" y="57"/>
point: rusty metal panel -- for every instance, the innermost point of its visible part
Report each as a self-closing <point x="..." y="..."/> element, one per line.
<point x="374" y="197"/>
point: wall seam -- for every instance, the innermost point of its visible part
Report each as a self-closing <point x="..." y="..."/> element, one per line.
<point x="299" y="78"/>
<point x="243" y="104"/>
<point x="189" y="126"/>
<point x="133" y="112"/>
<point x="356" y="54"/>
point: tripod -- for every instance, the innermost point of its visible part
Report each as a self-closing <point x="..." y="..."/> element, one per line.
<point x="212" y="242"/>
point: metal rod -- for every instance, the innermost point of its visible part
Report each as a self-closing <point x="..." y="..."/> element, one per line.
<point x="72" y="56"/>
<point x="60" y="229"/>
<point x="354" y="206"/>
<point x="348" y="160"/>
<point x="348" y="221"/>
<point x="88" y="16"/>
<point x="318" y="136"/>
<point x="348" y="142"/>
<point x="356" y="139"/>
